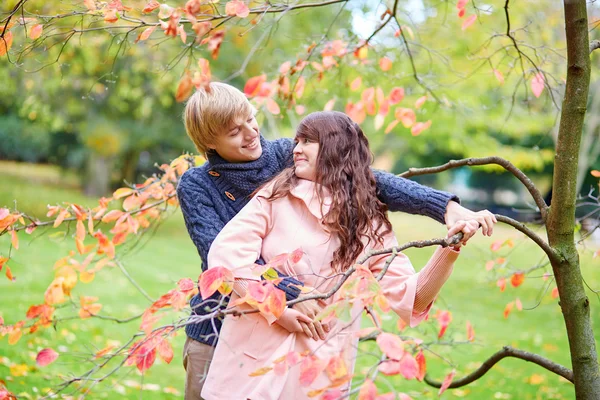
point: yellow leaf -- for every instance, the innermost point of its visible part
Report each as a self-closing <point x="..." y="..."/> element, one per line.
<point x="86" y="276"/>
<point x="122" y="192"/>
<point x="19" y="370"/>
<point x="14" y="336"/>
<point x="260" y="371"/>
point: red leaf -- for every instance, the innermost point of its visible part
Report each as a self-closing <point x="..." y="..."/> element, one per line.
<point x="409" y="367"/>
<point x="237" y="8"/>
<point x="165" y="351"/>
<point x="422" y="364"/>
<point x="45" y="357"/>
<point x="185" y="285"/>
<point x="146" y="355"/>
<point x="468" y="22"/>
<point x="489" y="265"/>
<point x="406" y="115"/>
<point x="537" y="84"/>
<point x="391" y="345"/>
<point x="446" y="383"/>
<point x="444" y="318"/>
<point x="332" y="394"/>
<point x="470" y="332"/>
<point x="213" y="279"/>
<point x="146" y="34"/>
<point x="517" y="279"/>
<point x="554" y="293"/>
<point x="501" y="284"/>
<point x="252" y="86"/>
<point x="295" y="256"/>
<point x="368" y="391"/>
<point x="496" y="245"/>
<point x="389" y="367"/>
<point x="461" y="12"/>
<point x="396" y="95"/>
<point x="336" y="369"/>
<point x="151" y="6"/>
<point x="310" y="369"/>
<point x="508" y="309"/>
<point x="111" y="16"/>
<point x="461" y="4"/>
<point x="385" y="64"/>
<point x="184" y="89"/>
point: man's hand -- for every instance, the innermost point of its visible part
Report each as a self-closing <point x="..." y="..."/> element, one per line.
<point x="313" y="329"/>
<point x="473" y="220"/>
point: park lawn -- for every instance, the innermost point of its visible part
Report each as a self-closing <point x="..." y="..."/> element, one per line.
<point x="162" y="258"/>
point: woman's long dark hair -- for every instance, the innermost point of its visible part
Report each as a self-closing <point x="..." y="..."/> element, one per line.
<point x="343" y="169"/>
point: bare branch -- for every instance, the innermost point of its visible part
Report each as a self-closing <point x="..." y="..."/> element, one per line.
<point x="507" y="351"/>
<point x="507" y="165"/>
<point x="552" y="254"/>
<point x="594" y="44"/>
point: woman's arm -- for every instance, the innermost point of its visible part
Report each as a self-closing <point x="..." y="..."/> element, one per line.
<point x="409" y="294"/>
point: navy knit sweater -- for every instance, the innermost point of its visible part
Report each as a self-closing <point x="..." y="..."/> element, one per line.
<point x="212" y="194"/>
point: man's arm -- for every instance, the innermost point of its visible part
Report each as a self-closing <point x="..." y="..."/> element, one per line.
<point x="204" y="224"/>
<point x="401" y="194"/>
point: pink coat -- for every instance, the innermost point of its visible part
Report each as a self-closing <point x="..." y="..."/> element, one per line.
<point x="250" y="342"/>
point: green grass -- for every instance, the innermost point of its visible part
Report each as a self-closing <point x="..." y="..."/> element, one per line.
<point x="168" y="255"/>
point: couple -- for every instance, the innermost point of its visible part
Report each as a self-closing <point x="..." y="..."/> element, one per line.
<point x="317" y="193"/>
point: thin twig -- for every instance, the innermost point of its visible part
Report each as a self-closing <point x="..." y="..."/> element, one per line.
<point x="133" y="282"/>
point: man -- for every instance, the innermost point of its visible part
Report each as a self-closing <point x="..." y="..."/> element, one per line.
<point x="220" y="121"/>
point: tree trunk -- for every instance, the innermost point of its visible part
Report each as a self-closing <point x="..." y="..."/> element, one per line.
<point x="574" y="303"/>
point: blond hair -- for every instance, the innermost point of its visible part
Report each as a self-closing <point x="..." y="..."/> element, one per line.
<point x="210" y="111"/>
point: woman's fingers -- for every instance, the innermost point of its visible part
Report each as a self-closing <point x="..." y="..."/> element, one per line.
<point x="319" y="329"/>
<point x="304" y="328"/>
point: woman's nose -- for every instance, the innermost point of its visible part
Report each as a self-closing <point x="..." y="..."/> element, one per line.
<point x="297" y="149"/>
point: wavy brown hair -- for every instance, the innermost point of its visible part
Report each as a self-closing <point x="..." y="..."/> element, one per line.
<point x="343" y="169"/>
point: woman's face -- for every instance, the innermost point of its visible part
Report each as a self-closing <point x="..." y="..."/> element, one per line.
<point x="305" y="158"/>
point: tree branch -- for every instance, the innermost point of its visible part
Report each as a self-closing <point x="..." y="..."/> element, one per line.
<point x="507" y="165"/>
<point x="552" y="254"/>
<point x="506" y="351"/>
<point x="594" y="45"/>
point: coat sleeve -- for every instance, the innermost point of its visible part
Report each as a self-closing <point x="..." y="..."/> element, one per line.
<point x="239" y="244"/>
<point x="399" y="284"/>
<point x="404" y="195"/>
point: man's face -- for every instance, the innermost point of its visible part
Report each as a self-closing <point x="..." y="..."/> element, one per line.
<point x="240" y="141"/>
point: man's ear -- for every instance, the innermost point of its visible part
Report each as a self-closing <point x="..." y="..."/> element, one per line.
<point x="211" y="146"/>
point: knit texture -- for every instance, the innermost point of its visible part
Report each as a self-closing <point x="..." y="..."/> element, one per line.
<point x="212" y="194"/>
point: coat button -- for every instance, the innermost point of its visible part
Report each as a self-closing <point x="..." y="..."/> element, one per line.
<point x="230" y="196"/>
<point x="213" y="173"/>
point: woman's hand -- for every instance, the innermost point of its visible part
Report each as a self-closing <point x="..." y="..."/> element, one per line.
<point x="293" y="321"/>
<point x="466" y="227"/>
<point x="311" y="309"/>
<point x="456" y="213"/>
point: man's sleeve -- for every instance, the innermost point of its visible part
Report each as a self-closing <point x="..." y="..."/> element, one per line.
<point x="404" y="195"/>
<point x="201" y="219"/>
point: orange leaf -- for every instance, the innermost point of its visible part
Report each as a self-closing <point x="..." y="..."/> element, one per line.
<point x="36" y="31"/>
<point x="499" y="76"/>
<point x="391" y="345"/>
<point x="111" y="16"/>
<point x="184" y="89"/>
<point x="461" y="12"/>
<point x="9" y="274"/>
<point x="14" y="240"/>
<point x="61" y="217"/>
<point x="212" y="279"/>
<point x="595" y="173"/>
<point x="185" y="285"/>
<point x="112" y="216"/>
<point x="14" y="336"/>
<point x="285" y="67"/>
<point x="517" y="279"/>
<point x="299" y="88"/>
<point x="489" y="265"/>
<point x="253" y="85"/>
<point x="554" y="293"/>
<point x="104" y="351"/>
<point x="537" y="84"/>
<point x="496" y="245"/>
<point x="151" y="6"/>
<point x="6" y="43"/>
<point x="470" y="332"/>
<point x="420" y="101"/>
<point x="406" y="115"/>
<point x="273" y="107"/>
<point x="446" y="383"/>
<point x="260" y="371"/>
<point x="368" y="391"/>
<point x="468" y="22"/>
<point x="237" y="8"/>
<point x="90" y="4"/>
<point x="45" y="357"/>
<point x="165" y="351"/>
<point x="419" y="127"/>
<point x="86" y="276"/>
<point x="145" y="35"/>
<point x="329" y="105"/>
<point x="336" y="369"/>
<point x="385" y="64"/>
<point x="391" y="126"/>
<point x="356" y="83"/>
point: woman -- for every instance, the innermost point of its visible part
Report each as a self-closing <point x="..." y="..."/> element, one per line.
<point x="326" y="205"/>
